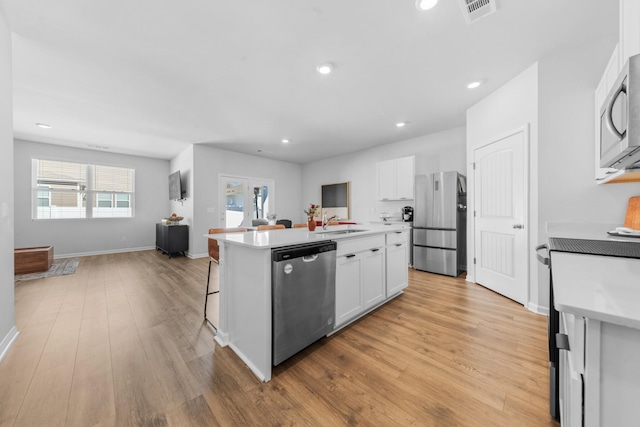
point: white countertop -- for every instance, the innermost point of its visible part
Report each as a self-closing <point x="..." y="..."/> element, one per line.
<point x="599" y="287"/>
<point x="294" y="236"/>
<point x="587" y="231"/>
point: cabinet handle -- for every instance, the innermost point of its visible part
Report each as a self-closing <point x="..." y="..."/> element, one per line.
<point x="350" y="256"/>
<point x="562" y="341"/>
<point x="398" y="244"/>
<point x="375" y="250"/>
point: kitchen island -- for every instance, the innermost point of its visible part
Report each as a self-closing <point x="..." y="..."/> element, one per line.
<point x="372" y="268"/>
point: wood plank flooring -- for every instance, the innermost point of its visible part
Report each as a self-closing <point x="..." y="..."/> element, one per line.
<point x="123" y="343"/>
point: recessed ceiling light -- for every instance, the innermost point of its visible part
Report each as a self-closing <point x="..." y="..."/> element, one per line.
<point x="44" y="125"/>
<point x="285" y="141"/>
<point x="425" y="4"/>
<point x="474" y="85"/>
<point x="401" y="124"/>
<point x="324" y="68"/>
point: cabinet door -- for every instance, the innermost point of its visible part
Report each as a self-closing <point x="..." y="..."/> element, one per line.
<point x="386" y="180"/>
<point x="629" y="29"/>
<point x="397" y="272"/>
<point x="571" y="371"/>
<point x="405" y="178"/>
<point x="162" y="237"/>
<point x="373" y="277"/>
<point x="348" y="291"/>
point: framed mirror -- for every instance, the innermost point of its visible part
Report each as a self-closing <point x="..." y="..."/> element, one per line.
<point x="335" y="200"/>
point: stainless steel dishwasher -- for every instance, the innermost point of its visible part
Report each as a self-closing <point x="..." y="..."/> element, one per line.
<point x="303" y="296"/>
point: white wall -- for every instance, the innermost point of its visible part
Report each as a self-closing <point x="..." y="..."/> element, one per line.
<point x="8" y="330"/>
<point x="441" y="151"/>
<point x="209" y="163"/>
<point x="90" y="236"/>
<point x="511" y="107"/>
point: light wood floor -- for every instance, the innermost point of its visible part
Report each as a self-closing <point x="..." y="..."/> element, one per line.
<point x="122" y="342"/>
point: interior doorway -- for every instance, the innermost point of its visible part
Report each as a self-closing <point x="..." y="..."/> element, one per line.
<point x="500" y="216"/>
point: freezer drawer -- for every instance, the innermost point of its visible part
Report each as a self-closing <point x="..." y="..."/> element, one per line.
<point x="435" y="238"/>
<point x="441" y="261"/>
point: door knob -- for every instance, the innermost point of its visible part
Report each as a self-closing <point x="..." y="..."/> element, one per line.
<point x="519" y="226"/>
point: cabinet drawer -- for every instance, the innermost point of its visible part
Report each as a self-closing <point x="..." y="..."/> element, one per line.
<point x="348" y="246"/>
<point x="399" y="236"/>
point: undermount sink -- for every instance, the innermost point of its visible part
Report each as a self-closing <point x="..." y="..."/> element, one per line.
<point x="351" y="230"/>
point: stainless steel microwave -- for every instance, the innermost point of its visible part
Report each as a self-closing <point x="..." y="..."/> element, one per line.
<point x="620" y="120"/>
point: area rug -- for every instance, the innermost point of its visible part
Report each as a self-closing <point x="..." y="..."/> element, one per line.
<point x="58" y="268"/>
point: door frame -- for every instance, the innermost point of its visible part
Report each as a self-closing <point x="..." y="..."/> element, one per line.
<point x="471" y="202"/>
<point x="250" y="181"/>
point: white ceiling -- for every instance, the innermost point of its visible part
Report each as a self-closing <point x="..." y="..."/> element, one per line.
<point x="151" y="77"/>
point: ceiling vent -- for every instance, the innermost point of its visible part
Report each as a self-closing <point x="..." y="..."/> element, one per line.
<point x="476" y="9"/>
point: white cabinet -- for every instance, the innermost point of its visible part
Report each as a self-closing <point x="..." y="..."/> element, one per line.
<point x="397" y="261"/>
<point x="628" y="45"/>
<point x="395" y="179"/>
<point x="571" y="370"/>
<point x="360" y="277"/>
<point x="369" y="271"/>
<point x="599" y="377"/>
<point x="373" y="266"/>
<point x="348" y="288"/>
<point x="629" y="29"/>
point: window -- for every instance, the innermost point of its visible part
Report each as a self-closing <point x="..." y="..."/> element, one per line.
<point x="62" y="189"/>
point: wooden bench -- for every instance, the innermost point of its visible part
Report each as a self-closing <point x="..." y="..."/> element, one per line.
<point x="32" y="260"/>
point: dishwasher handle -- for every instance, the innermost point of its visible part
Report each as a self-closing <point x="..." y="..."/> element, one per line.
<point x="310" y="258"/>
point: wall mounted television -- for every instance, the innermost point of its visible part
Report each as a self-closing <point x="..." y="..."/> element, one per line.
<point x="175" y="186"/>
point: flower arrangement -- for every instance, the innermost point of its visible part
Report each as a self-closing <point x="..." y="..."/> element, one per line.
<point x="313" y="210"/>
<point x="271" y="216"/>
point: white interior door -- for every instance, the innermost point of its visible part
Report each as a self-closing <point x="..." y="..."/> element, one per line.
<point x="244" y="199"/>
<point x="500" y="217"/>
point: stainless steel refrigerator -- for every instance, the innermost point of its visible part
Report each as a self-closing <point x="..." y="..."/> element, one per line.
<point x="440" y="223"/>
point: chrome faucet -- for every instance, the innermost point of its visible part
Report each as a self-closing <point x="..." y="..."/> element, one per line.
<point x="325" y="221"/>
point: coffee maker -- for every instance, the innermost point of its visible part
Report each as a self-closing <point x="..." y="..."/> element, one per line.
<point x="407" y="213"/>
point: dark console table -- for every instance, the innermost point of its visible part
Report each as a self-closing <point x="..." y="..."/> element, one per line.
<point x="172" y="239"/>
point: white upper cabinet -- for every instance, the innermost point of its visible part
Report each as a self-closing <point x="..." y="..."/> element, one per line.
<point x="629" y="29"/>
<point x="629" y="45"/>
<point x="395" y="179"/>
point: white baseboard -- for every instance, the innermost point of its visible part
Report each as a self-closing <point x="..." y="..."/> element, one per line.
<point x="539" y="309"/>
<point x="194" y="256"/>
<point x="470" y="278"/>
<point x="7" y="341"/>
<point x="111" y="251"/>
<point x="221" y="338"/>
